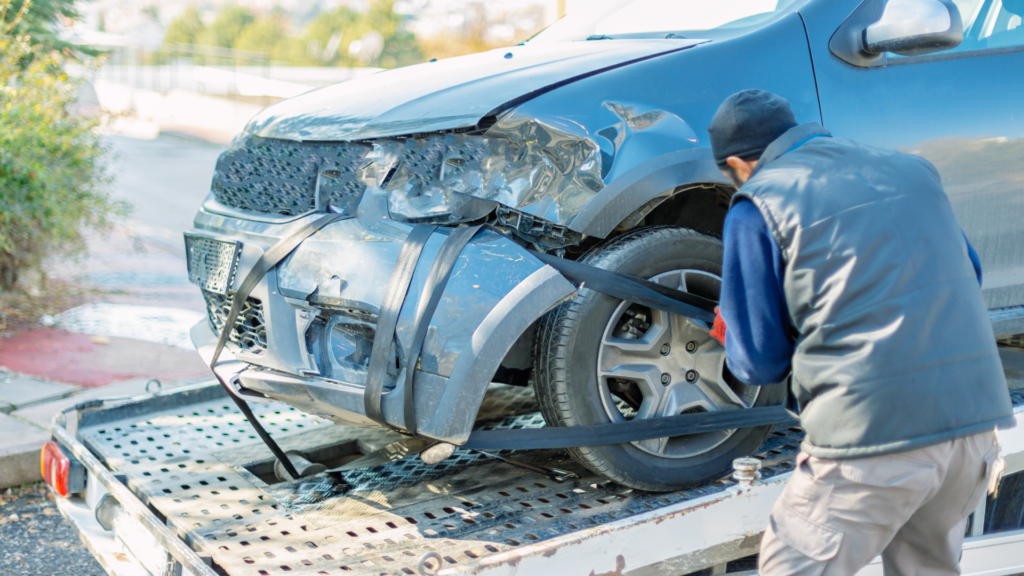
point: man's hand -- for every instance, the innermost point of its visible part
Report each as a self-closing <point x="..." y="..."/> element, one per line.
<point x="718" y="330"/>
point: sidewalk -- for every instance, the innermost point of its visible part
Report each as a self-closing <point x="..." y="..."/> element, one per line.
<point x="110" y="347"/>
<point x="27" y="406"/>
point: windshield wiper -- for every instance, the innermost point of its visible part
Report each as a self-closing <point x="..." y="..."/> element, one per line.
<point x="599" y="37"/>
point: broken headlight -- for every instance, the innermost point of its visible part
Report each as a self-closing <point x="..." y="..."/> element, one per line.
<point x="536" y="167"/>
<point x="411" y="173"/>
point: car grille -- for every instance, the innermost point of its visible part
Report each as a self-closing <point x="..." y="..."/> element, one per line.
<point x="279" y="177"/>
<point x="211" y="263"/>
<point x="250" y="331"/>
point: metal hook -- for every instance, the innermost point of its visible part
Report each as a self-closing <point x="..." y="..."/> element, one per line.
<point x="426" y="569"/>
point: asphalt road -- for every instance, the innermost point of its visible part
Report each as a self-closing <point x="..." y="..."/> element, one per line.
<point x="142" y="261"/>
<point x="36" y="541"/>
<point x="165" y="180"/>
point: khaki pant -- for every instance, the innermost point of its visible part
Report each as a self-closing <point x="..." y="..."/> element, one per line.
<point x="835" y="516"/>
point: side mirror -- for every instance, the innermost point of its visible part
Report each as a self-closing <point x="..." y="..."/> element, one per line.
<point x="912" y="27"/>
<point x="905" y="27"/>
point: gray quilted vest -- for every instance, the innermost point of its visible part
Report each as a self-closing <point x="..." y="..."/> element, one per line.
<point x="894" y="348"/>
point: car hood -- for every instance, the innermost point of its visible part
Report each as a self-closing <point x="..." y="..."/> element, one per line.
<point x="446" y="94"/>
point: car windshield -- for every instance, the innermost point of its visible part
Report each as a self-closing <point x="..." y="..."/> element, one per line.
<point x="621" y="19"/>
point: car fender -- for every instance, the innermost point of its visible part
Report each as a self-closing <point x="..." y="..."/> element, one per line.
<point x="453" y="418"/>
<point x="641" y="184"/>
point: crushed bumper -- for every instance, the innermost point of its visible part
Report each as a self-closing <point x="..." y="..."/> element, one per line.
<point x="312" y="319"/>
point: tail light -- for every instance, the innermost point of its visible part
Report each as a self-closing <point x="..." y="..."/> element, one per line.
<point x="64" y="473"/>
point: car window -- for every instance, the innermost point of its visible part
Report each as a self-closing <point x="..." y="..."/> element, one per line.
<point x="988" y="24"/>
<point x="969" y="10"/>
<point x="1001" y="27"/>
<point x="666" y="18"/>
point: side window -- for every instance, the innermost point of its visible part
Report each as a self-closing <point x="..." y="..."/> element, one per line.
<point x="1001" y="26"/>
<point x="969" y="10"/>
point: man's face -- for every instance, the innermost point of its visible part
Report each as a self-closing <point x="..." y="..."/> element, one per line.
<point x="738" y="170"/>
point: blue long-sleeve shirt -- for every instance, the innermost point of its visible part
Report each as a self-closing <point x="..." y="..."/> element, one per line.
<point x="759" y="338"/>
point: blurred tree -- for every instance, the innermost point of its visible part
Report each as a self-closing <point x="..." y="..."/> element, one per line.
<point x="52" y="171"/>
<point x="324" y="36"/>
<point x="343" y="37"/>
<point x="338" y="37"/>
<point x="37" y="19"/>
<point x="477" y="32"/>
<point x="264" y="35"/>
<point x="184" y="28"/>
<point x="400" y="46"/>
<point x="226" y="27"/>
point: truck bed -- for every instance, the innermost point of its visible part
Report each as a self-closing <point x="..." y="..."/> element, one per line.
<point x="190" y="456"/>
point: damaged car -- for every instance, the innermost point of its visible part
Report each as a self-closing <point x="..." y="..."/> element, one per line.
<point x="586" y="143"/>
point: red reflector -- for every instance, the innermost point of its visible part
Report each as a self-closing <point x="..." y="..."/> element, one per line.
<point x="56" y="468"/>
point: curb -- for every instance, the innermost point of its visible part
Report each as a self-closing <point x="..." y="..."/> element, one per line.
<point x="19" y="451"/>
<point x="20" y="464"/>
<point x="24" y="432"/>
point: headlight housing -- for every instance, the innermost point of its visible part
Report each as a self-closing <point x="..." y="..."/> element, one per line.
<point x="523" y="163"/>
<point x="411" y="173"/>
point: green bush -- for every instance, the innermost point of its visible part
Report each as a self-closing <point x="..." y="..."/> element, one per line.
<point x="52" y="173"/>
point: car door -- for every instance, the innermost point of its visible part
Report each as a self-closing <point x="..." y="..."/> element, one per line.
<point x="962" y="109"/>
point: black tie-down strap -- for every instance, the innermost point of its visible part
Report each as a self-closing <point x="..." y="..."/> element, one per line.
<point x="391" y="307"/>
<point x="653" y="295"/>
<point x="629" y="431"/>
<point x="614" y="284"/>
<point x="440" y="272"/>
<point x="633" y="289"/>
<point x="270" y="258"/>
<point x="387" y="320"/>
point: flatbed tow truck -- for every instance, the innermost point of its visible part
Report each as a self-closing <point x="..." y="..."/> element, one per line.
<point x="177" y="483"/>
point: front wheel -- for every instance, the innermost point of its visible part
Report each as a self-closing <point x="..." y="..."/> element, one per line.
<point x="599" y="359"/>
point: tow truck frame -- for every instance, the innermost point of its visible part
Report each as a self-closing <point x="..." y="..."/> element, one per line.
<point x="190" y="490"/>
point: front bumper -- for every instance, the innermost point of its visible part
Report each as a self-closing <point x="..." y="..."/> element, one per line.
<point x="334" y="283"/>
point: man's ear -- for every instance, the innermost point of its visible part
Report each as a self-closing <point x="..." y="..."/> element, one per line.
<point x="741" y="168"/>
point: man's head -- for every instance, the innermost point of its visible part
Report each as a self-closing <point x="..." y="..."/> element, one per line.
<point x="745" y="124"/>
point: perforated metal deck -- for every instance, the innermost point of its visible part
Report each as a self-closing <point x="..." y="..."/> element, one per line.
<point x="195" y="463"/>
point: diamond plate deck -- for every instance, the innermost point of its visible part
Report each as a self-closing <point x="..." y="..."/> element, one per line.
<point x="195" y="465"/>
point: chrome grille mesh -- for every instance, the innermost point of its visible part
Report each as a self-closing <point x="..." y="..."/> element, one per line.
<point x="250" y="331"/>
<point x="211" y="263"/>
<point x="279" y="177"/>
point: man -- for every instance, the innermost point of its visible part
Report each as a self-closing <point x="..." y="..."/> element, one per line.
<point x="845" y="268"/>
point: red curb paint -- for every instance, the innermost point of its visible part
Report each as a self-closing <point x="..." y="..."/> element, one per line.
<point x="63" y="356"/>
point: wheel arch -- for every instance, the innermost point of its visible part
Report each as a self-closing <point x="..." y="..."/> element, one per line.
<point x="680" y="188"/>
<point x="455" y="412"/>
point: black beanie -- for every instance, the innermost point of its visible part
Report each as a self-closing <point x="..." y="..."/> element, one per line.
<point x="746" y="123"/>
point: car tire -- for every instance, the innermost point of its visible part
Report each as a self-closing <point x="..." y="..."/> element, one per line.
<point x="569" y="343"/>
